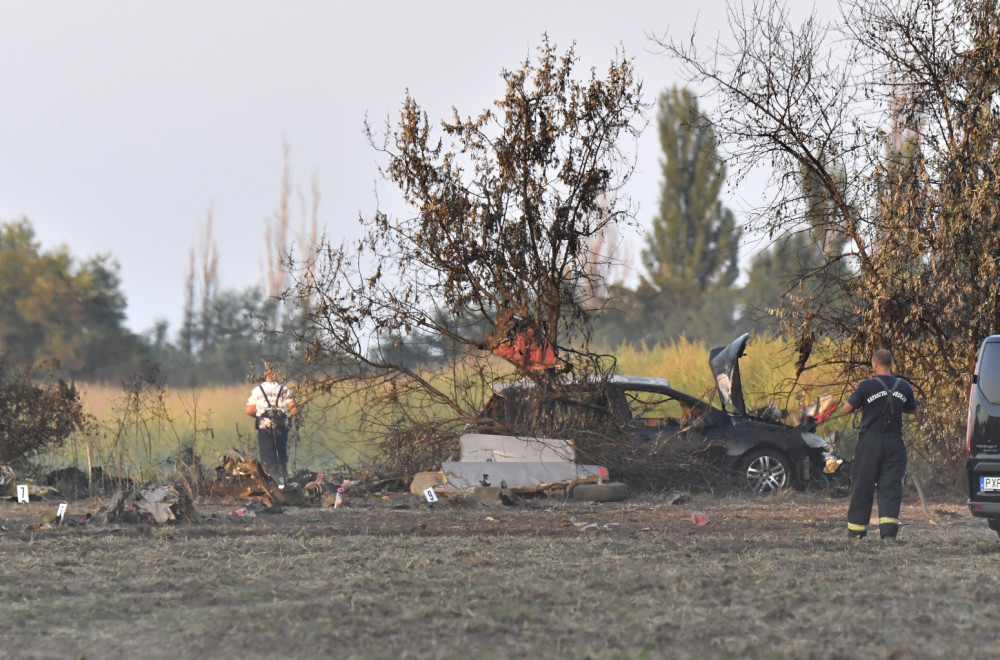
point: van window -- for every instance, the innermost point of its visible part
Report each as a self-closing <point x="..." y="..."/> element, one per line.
<point x="989" y="372"/>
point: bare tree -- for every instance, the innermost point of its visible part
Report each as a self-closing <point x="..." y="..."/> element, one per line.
<point x="890" y="117"/>
<point x="505" y="206"/>
<point x="194" y="332"/>
<point x="209" y="279"/>
<point x="606" y="261"/>
<point x="276" y="231"/>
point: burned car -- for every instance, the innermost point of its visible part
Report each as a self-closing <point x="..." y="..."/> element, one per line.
<point x="641" y="427"/>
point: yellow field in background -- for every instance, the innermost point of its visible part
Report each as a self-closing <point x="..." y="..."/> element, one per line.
<point x="159" y="430"/>
<point x="155" y="432"/>
<point x="767" y="370"/>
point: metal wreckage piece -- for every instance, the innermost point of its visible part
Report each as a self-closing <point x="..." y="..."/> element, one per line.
<point x="158" y="504"/>
<point x="241" y="475"/>
<point x="9" y="481"/>
<point x="154" y="505"/>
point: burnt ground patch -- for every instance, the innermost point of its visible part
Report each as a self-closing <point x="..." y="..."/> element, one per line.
<point x="394" y="577"/>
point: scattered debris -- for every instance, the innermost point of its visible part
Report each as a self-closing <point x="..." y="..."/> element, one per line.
<point x="509" y="497"/>
<point x="335" y="496"/>
<point x="676" y="497"/>
<point x="525" y="464"/>
<point x="6" y="475"/>
<point x="9" y="483"/>
<point x="160" y="504"/>
<point x="699" y="518"/>
<point x="316" y="488"/>
<point x="250" y="511"/>
<point x="154" y="505"/>
<point x="242" y="475"/>
<point x="424" y="480"/>
<point x="483" y="496"/>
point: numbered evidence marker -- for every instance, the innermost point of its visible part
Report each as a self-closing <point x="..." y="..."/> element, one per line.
<point x="430" y="495"/>
<point x="22" y="493"/>
<point x="61" y="511"/>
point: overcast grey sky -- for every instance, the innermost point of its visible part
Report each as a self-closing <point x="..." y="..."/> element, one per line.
<point x="124" y="122"/>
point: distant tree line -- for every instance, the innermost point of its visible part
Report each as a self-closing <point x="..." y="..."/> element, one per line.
<point x="55" y="307"/>
<point x="70" y="314"/>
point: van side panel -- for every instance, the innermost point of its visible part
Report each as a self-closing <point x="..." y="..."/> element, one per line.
<point x="983" y="432"/>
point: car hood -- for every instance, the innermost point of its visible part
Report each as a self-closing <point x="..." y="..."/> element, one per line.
<point x="725" y="364"/>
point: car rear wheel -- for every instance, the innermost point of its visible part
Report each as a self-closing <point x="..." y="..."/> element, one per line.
<point x="994" y="524"/>
<point x="766" y="471"/>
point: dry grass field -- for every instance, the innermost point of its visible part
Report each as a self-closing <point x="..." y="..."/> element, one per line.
<point x="390" y="576"/>
<point x="143" y="437"/>
<point x="394" y="577"/>
<point x="143" y="440"/>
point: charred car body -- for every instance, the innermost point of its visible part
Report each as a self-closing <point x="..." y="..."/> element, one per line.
<point x="664" y="424"/>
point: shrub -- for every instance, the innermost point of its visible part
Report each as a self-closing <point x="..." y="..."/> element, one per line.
<point x="35" y="414"/>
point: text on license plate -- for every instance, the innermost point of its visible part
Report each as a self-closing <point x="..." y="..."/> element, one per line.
<point x="989" y="483"/>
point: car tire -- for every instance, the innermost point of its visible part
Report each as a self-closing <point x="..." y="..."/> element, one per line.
<point x="994" y="524"/>
<point x="609" y="492"/>
<point x="766" y="471"/>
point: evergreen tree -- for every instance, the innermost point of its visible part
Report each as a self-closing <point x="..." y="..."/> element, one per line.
<point x="798" y="263"/>
<point x="774" y="273"/>
<point x="692" y="250"/>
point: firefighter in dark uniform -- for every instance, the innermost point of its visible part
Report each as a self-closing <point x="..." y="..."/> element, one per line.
<point x="880" y="457"/>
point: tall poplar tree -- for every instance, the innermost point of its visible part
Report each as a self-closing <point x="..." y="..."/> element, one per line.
<point x="692" y="249"/>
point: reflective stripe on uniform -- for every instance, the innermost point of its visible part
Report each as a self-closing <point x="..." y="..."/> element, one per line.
<point x="852" y="527"/>
<point x="888" y="521"/>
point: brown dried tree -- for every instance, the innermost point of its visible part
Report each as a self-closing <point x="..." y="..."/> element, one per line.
<point x="892" y="115"/>
<point x="505" y="206"/>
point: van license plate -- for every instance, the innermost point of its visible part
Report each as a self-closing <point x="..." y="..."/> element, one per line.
<point x="989" y="483"/>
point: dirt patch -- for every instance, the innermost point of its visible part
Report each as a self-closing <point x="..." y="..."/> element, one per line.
<point x="396" y="577"/>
